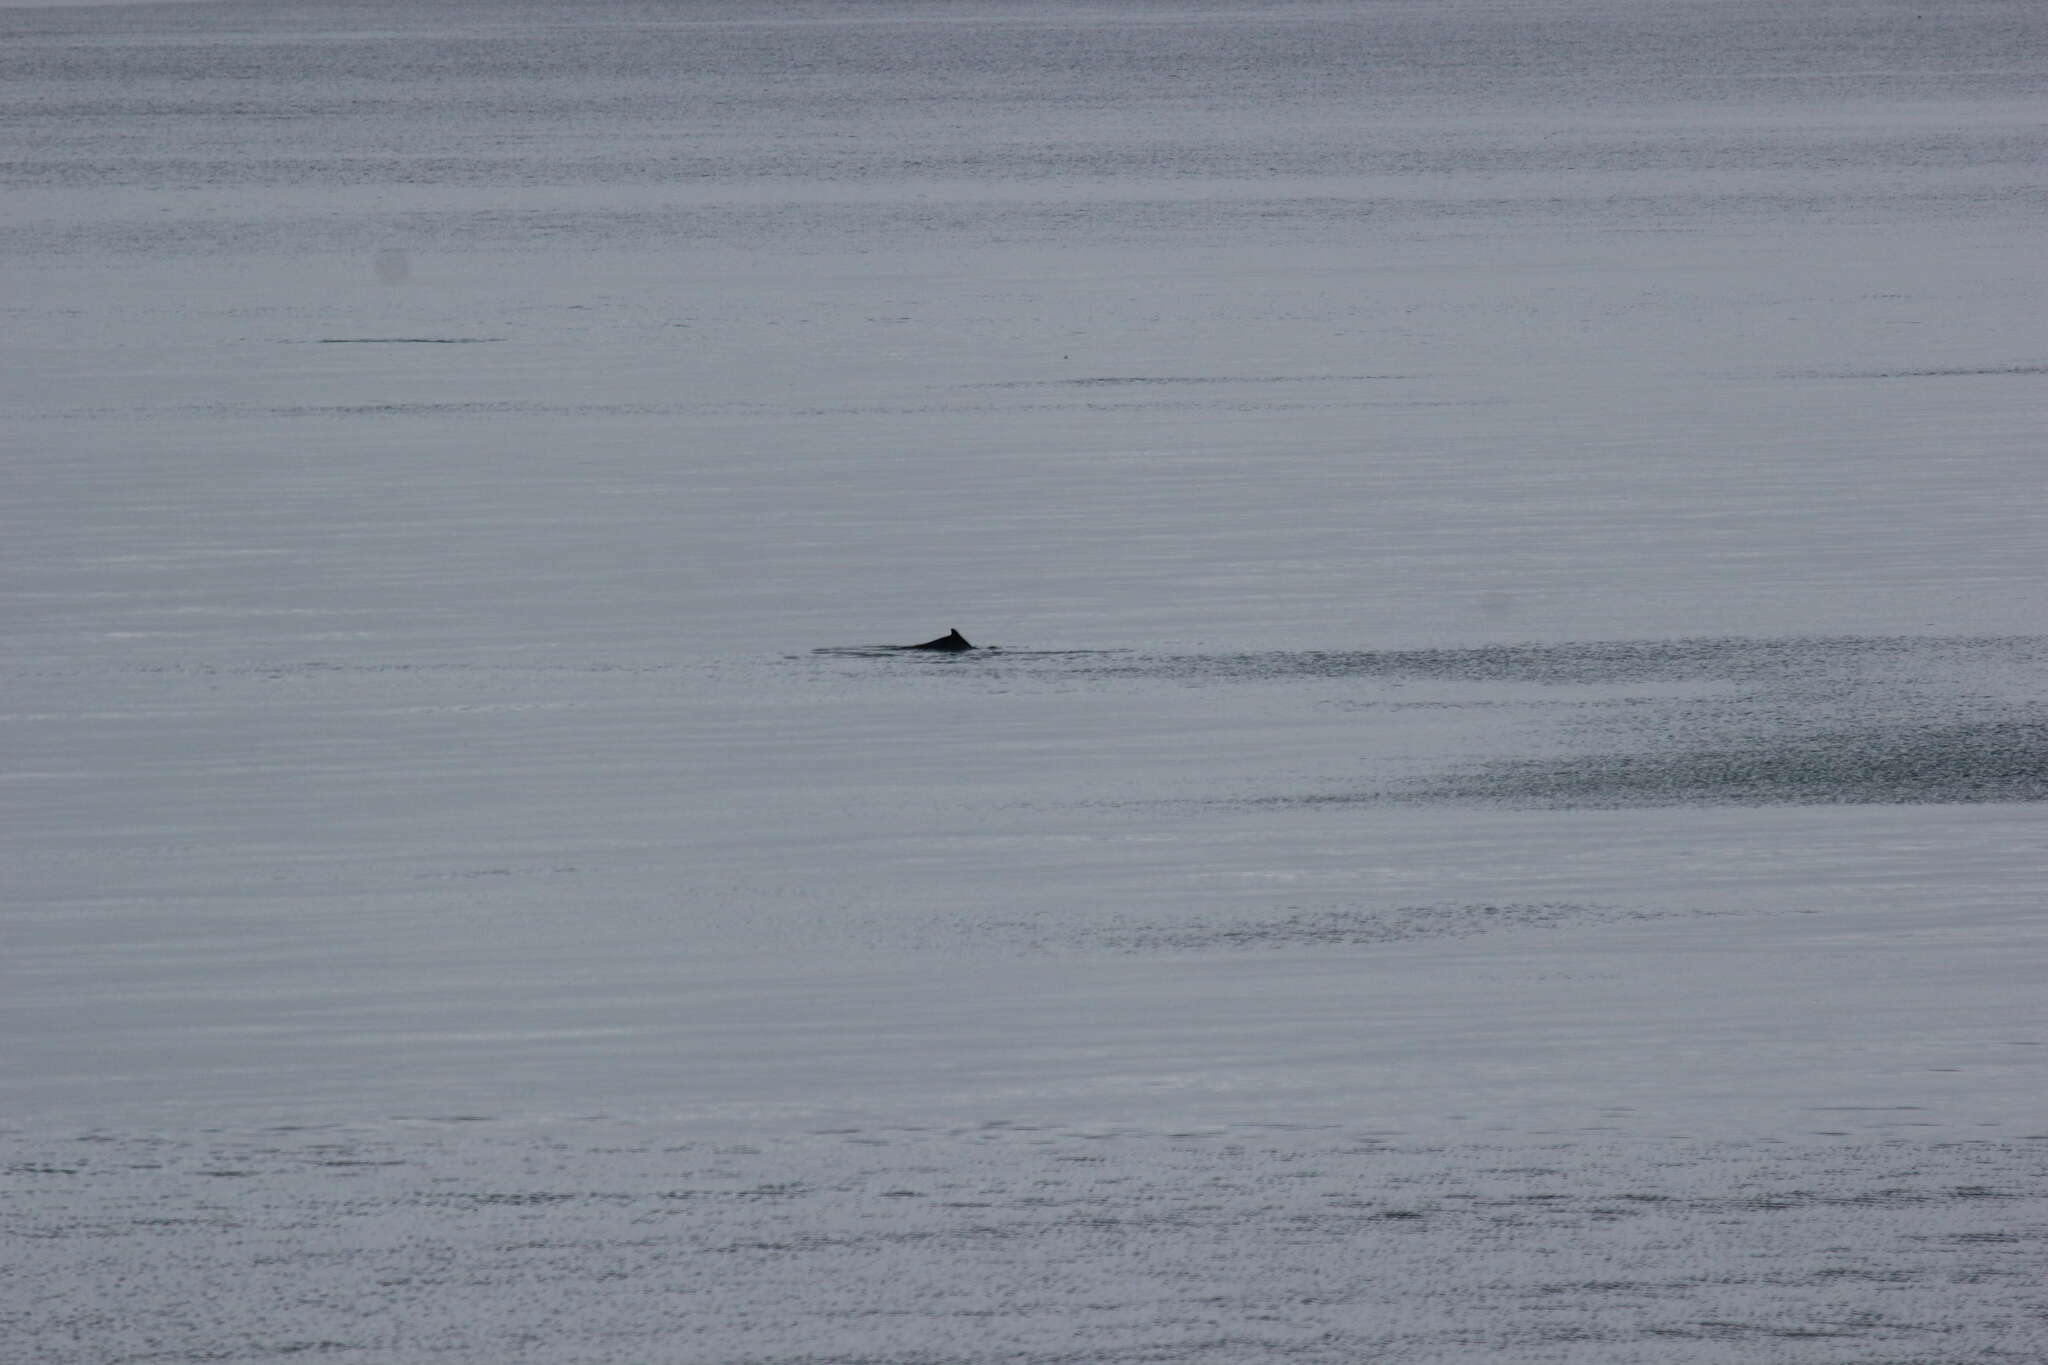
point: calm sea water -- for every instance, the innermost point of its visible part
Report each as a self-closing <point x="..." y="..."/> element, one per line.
<point x="439" y="434"/>
<point x="1498" y="815"/>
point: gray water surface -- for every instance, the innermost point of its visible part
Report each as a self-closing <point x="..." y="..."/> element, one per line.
<point x="1509" y="547"/>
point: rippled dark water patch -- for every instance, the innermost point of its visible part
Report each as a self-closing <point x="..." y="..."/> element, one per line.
<point x="1852" y="720"/>
<point x="1930" y="372"/>
<point x="1300" y="927"/>
<point x="1726" y="659"/>
<point x="1930" y="764"/>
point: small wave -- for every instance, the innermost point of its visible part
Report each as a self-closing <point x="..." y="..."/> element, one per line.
<point x="1136" y="380"/>
<point x="1939" y="372"/>
<point x="406" y="341"/>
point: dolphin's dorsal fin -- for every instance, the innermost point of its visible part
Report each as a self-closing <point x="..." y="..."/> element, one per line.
<point x="952" y="642"/>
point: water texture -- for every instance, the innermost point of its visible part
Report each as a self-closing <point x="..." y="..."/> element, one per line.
<point x="1496" y="810"/>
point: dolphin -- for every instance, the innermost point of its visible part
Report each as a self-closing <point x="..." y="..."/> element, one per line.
<point x="952" y="642"/>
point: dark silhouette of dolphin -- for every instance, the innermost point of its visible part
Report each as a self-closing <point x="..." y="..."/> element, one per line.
<point x="952" y="642"/>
